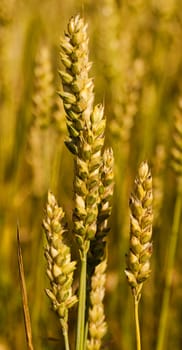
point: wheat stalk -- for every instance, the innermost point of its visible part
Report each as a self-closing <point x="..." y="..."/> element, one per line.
<point x="86" y="126"/>
<point x="177" y="167"/>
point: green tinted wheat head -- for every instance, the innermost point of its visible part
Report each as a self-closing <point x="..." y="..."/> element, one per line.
<point x="138" y="258"/>
<point x="60" y="267"/>
<point x="86" y="127"/>
<point x="96" y="322"/>
<point x="78" y="87"/>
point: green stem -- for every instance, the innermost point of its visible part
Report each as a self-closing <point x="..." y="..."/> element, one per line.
<point x="137" y="325"/>
<point x="81" y="303"/>
<point x="169" y="272"/>
<point x="66" y="340"/>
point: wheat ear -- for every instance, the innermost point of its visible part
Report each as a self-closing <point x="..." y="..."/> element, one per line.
<point x="60" y="267"/>
<point x="138" y="258"/>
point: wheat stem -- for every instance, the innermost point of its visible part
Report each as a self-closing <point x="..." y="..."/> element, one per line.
<point x="177" y="167"/>
<point x="82" y="303"/>
<point x="137" y="325"/>
<point x="66" y="340"/>
<point x="169" y="271"/>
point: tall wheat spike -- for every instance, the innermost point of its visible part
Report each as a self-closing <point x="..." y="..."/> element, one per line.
<point x="86" y="126"/>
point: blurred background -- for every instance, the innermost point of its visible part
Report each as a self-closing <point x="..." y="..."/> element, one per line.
<point x="135" y="47"/>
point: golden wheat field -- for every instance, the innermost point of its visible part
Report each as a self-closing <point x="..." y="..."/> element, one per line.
<point x="90" y="175"/>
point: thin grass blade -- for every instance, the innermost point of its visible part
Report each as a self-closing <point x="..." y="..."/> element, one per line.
<point x="26" y="313"/>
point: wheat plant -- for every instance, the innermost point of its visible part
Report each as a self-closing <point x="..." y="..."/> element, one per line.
<point x="138" y="258"/>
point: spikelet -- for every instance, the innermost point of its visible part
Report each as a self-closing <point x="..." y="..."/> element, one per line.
<point x="97" y="326"/>
<point x="86" y="126"/>
<point x="97" y="245"/>
<point x="140" y="250"/>
<point x="60" y="267"/>
<point x="177" y="142"/>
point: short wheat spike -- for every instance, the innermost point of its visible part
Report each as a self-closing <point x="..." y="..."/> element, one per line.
<point x="138" y="258"/>
<point x="43" y="88"/>
<point x="40" y="137"/>
<point x="96" y="321"/>
<point x="60" y="267"/>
